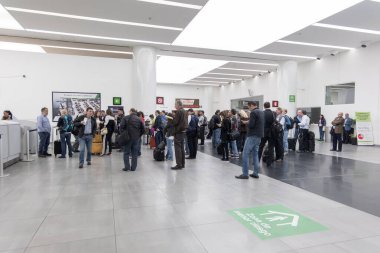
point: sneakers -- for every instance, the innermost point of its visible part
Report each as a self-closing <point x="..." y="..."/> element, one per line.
<point x="80" y="166"/>
<point x="61" y="156"/>
<point x="124" y="169"/>
<point x="242" y="177"/>
<point x="89" y="163"/>
<point x="42" y="156"/>
<point x="47" y="154"/>
<point x="254" y="175"/>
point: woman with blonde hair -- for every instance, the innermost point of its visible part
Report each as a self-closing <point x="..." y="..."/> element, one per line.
<point x="243" y="129"/>
<point x="65" y="126"/>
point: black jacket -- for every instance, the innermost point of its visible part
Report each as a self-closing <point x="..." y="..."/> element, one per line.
<point x="268" y="119"/>
<point x="256" y="123"/>
<point x="169" y="129"/>
<point x="217" y="120"/>
<point x="180" y="121"/>
<point x="80" y="126"/>
<point x="226" y="130"/>
<point x="134" y="124"/>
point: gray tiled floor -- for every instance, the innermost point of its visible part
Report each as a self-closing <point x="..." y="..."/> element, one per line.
<point x="51" y="206"/>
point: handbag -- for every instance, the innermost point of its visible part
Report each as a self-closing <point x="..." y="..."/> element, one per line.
<point x="332" y="131"/>
<point x="124" y="137"/>
<point x="234" y="135"/>
<point x="104" y="131"/>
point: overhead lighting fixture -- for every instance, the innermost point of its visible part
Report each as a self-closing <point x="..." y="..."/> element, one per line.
<point x="172" y="3"/>
<point x="248" y="70"/>
<point x="314" y="44"/>
<point x="217" y="78"/>
<point x="203" y="84"/>
<point x="224" y="74"/>
<point x="220" y="17"/>
<point x="88" y="49"/>
<point x="255" y="63"/>
<point x="174" y="69"/>
<point x="347" y="28"/>
<point x="21" y="47"/>
<point x="202" y="81"/>
<point x="97" y="37"/>
<point x="55" y="14"/>
<point x="284" y="55"/>
<point x="7" y="21"/>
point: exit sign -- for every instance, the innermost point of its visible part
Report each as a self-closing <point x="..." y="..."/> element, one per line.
<point x="274" y="103"/>
<point x="292" y="98"/>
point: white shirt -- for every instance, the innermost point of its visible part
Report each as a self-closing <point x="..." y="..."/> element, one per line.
<point x="305" y="122"/>
<point x="281" y="120"/>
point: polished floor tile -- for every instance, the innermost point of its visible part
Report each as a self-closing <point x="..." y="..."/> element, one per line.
<point x="367" y="245"/>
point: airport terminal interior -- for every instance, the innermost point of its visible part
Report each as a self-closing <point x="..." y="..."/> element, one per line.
<point x="189" y="126"/>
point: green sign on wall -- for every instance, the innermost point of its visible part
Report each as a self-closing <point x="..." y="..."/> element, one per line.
<point x="273" y="221"/>
<point x="292" y="98"/>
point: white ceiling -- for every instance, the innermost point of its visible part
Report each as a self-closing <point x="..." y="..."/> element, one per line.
<point x="364" y="15"/>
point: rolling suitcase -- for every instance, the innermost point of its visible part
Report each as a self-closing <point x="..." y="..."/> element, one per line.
<point x="152" y="142"/>
<point x="97" y="148"/>
<point x="57" y="145"/>
<point x="311" y="141"/>
<point x="159" y="152"/>
<point x="292" y="143"/>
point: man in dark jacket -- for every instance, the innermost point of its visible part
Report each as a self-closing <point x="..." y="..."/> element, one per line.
<point x="180" y="124"/>
<point x="251" y="146"/>
<point x="192" y="134"/>
<point x="86" y="125"/>
<point x="135" y="129"/>
<point x="216" y="124"/>
<point x="269" y="119"/>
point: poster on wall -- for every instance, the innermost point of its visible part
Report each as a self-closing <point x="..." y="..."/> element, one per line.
<point x="364" y="130"/>
<point x="189" y="103"/>
<point x="115" y="108"/>
<point x="75" y="103"/>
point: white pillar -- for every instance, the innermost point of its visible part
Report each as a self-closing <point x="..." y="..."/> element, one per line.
<point x="287" y="85"/>
<point x="143" y="91"/>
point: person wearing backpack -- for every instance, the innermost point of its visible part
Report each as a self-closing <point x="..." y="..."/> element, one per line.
<point x="192" y="134"/>
<point x="279" y="136"/>
<point x="289" y="123"/>
<point x="65" y="126"/>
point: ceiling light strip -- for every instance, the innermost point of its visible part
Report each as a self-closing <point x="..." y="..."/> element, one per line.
<point x="202" y="81"/>
<point x="88" y="49"/>
<point x="347" y="28"/>
<point x="225" y="74"/>
<point x="217" y="78"/>
<point x="97" y="37"/>
<point x="284" y="55"/>
<point x="256" y="63"/>
<point x="314" y="44"/>
<point x="62" y="15"/>
<point x="248" y="70"/>
<point x="172" y="3"/>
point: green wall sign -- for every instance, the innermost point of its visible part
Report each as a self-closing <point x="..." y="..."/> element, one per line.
<point x="292" y="98"/>
<point x="273" y="221"/>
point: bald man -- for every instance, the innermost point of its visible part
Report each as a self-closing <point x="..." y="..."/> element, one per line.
<point x="337" y="123"/>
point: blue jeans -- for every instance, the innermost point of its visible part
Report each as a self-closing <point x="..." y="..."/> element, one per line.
<point x="169" y="154"/>
<point x="285" y="139"/>
<point x="251" y="146"/>
<point x="85" y="142"/>
<point x="321" y="133"/>
<point x="235" y="151"/>
<point x="216" y="137"/>
<point x="132" y="148"/>
<point x="44" y="142"/>
<point x="66" y="141"/>
<point x="159" y="137"/>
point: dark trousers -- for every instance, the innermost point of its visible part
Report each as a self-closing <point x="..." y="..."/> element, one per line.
<point x="108" y="142"/>
<point x="304" y="139"/>
<point x="337" y="141"/>
<point x="192" y="141"/>
<point x="225" y="145"/>
<point x="270" y="141"/>
<point x="76" y="143"/>
<point x="66" y="141"/>
<point x="44" y="142"/>
<point x="279" y="146"/>
<point x="159" y="137"/>
<point x="179" y="148"/>
<point x="346" y="136"/>
<point x="202" y="135"/>
<point x="209" y="134"/>
<point x="132" y="148"/>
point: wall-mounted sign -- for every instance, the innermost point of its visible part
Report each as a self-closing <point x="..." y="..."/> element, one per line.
<point x="274" y="103"/>
<point x="160" y="100"/>
<point x="364" y="130"/>
<point x="114" y="109"/>
<point x="116" y="100"/>
<point x="189" y="103"/>
<point x="292" y="98"/>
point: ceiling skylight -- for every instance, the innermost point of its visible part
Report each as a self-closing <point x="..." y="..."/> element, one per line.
<point x="20" y="47"/>
<point x="246" y="25"/>
<point x="7" y="21"/>
<point x="172" y="69"/>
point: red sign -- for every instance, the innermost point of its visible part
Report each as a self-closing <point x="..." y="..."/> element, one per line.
<point x="189" y="102"/>
<point x="274" y="103"/>
<point x="159" y="100"/>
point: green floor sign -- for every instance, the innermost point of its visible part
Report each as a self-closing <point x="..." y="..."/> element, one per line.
<point x="273" y="221"/>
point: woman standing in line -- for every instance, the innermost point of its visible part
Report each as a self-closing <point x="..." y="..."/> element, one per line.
<point x="322" y="126"/>
<point x="109" y="124"/>
<point x="225" y="134"/>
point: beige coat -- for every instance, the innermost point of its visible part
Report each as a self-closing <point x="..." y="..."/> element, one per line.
<point x="338" y="122"/>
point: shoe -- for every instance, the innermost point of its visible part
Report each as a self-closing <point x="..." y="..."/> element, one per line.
<point x="42" y="156"/>
<point x="189" y="157"/>
<point x="47" y="154"/>
<point x="254" y="175"/>
<point x="61" y="156"/>
<point x="242" y="177"/>
<point x="124" y="169"/>
<point x="300" y="151"/>
<point x="89" y="163"/>
<point x="332" y="149"/>
<point x="286" y="153"/>
<point x="279" y="160"/>
<point x="80" y="166"/>
<point x="225" y="159"/>
<point x="71" y="156"/>
<point x="109" y="154"/>
<point x="76" y="151"/>
<point x="102" y="155"/>
<point x="339" y="151"/>
<point x="177" y="167"/>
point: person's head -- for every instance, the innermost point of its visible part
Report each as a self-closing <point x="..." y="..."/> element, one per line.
<point x="322" y="116"/>
<point x="109" y="112"/>
<point x="224" y="114"/>
<point x="252" y="105"/>
<point x="341" y="115"/>
<point x="157" y="112"/>
<point x="201" y="112"/>
<point x="7" y="115"/>
<point x="279" y="111"/>
<point x="63" y="112"/>
<point x="266" y="105"/>
<point x="347" y="115"/>
<point x="44" y="111"/>
<point x="178" y="105"/>
<point x="151" y="116"/>
<point x="190" y="111"/>
<point x="300" y="113"/>
<point x="132" y="111"/>
<point x="141" y="114"/>
<point x="285" y="111"/>
<point x="233" y="112"/>
<point x="162" y="113"/>
<point x="217" y="112"/>
<point x="98" y="114"/>
<point x="120" y="112"/>
<point x="170" y="116"/>
<point x="89" y="112"/>
<point x="229" y="113"/>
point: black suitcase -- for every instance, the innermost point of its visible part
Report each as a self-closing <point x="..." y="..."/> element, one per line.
<point x="292" y="142"/>
<point x="159" y="155"/>
<point x="311" y="141"/>
<point x="219" y="149"/>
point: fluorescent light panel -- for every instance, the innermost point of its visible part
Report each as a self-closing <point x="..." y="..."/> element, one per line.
<point x="313" y="44"/>
<point x="202" y="84"/>
<point x="96" y="37"/>
<point x="173" y="69"/>
<point x="248" y="70"/>
<point x="224" y="74"/>
<point x="255" y="63"/>
<point x="55" y="14"/>
<point x="7" y="21"/>
<point x="202" y="81"/>
<point x="255" y="23"/>
<point x="172" y="3"/>
<point x="285" y="55"/>
<point x="20" y="47"/>
<point x="217" y="78"/>
<point x="88" y="49"/>
<point x="347" y="28"/>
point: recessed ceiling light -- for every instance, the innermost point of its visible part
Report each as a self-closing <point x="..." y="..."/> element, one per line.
<point x="55" y="14"/>
<point x="225" y="74"/>
<point x="7" y="21"/>
<point x="255" y="63"/>
<point x="202" y="81"/>
<point x="88" y="49"/>
<point x="203" y="84"/>
<point x="285" y="55"/>
<point x="347" y="28"/>
<point x="20" y="47"/>
<point x="314" y="44"/>
<point x="97" y="37"/>
<point x="217" y="78"/>
<point x="248" y="70"/>
<point x="172" y="3"/>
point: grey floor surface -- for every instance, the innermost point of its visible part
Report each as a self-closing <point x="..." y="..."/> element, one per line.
<point x="49" y="205"/>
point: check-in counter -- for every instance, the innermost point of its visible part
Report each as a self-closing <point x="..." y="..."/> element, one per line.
<point x="11" y="142"/>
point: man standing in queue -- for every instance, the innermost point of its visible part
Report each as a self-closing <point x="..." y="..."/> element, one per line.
<point x="180" y="124"/>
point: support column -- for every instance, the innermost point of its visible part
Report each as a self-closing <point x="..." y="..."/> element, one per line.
<point x="143" y="91"/>
<point x="287" y="85"/>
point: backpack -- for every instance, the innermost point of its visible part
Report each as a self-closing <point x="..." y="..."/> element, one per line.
<point x="205" y="123"/>
<point x="289" y="122"/>
<point x="276" y="127"/>
<point x="211" y="123"/>
<point x="67" y="124"/>
<point x="164" y="122"/>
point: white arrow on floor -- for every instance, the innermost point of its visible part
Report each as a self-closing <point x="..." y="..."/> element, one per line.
<point x="294" y="222"/>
